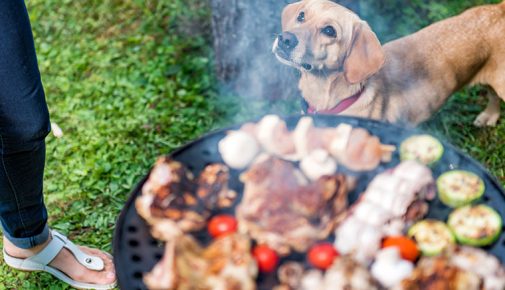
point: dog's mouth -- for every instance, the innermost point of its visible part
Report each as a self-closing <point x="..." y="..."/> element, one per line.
<point x="286" y="59"/>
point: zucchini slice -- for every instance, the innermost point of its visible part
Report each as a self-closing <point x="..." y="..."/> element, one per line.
<point x="431" y="236"/>
<point x="477" y="225"/>
<point x="458" y="188"/>
<point x="423" y="148"/>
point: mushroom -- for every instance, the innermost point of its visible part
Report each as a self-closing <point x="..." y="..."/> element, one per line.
<point x="238" y="149"/>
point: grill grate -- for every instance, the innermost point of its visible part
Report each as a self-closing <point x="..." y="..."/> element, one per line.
<point x="136" y="252"/>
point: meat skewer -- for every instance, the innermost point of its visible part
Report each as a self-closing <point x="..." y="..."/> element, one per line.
<point x="352" y="147"/>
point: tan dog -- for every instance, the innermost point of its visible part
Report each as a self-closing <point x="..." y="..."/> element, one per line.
<point x="345" y="70"/>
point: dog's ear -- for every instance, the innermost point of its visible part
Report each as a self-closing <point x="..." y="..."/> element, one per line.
<point x="365" y="57"/>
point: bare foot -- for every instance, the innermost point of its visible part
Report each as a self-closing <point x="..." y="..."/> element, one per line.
<point x="67" y="263"/>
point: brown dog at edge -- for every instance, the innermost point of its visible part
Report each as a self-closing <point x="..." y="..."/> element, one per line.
<point x="345" y="70"/>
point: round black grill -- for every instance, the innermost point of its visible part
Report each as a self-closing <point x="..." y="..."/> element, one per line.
<point x="136" y="252"/>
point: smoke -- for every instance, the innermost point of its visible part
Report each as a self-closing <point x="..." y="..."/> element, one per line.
<point x="244" y="32"/>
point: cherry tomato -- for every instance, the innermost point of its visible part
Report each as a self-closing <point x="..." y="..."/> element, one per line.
<point x="266" y="258"/>
<point x="221" y="225"/>
<point x="322" y="255"/>
<point x="408" y="248"/>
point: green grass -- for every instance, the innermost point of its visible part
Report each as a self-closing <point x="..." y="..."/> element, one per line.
<point x="130" y="80"/>
<point x="125" y="87"/>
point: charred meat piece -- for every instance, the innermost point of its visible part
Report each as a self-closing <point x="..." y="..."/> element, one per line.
<point x="172" y="198"/>
<point x="281" y="208"/>
<point x="438" y="273"/>
<point x="457" y="268"/>
<point x="393" y="200"/>
<point x="477" y="261"/>
<point x="225" y="265"/>
<point x="213" y="187"/>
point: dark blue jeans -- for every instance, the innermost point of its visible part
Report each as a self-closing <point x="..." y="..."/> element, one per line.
<point x="24" y="123"/>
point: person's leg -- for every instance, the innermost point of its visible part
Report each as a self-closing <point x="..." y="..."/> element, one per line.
<point x="24" y="123"/>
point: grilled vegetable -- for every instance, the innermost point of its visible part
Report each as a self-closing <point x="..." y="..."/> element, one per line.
<point x="266" y="258"/>
<point x="477" y="225"/>
<point x="221" y="225"/>
<point x="431" y="236"/>
<point x="423" y="148"/>
<point x="322" y="255"/>
<point x="406" y="246"/>
<point x="459" y="188"/>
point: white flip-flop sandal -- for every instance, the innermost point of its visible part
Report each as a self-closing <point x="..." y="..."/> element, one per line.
<point x="40" y="262"/>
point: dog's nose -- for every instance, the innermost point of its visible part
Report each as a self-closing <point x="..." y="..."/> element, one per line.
<point x="287" y="41"/>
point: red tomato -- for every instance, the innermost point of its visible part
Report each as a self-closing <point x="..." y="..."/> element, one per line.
<point x="408" y="248"/>
<point x="266" y="258"/>
<point x="322" y="255"/>
<point x="221" y="225"/>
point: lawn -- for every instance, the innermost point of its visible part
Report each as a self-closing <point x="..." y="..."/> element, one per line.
<point x="130" y="80"/>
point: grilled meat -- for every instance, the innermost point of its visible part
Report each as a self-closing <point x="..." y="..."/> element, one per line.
<point x="438" y="273"/>
<point x="385" y="209"/>
<point x="477" y="261"/>
<point x="213" y="187"/>
<point x="281" y="208"/>
<point x="225" y="265"/>
<point x="172" y="201"/>
<point x="457" y="268"/>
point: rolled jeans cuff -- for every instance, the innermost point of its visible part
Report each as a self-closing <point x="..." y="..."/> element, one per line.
<point x="29" y="242"/>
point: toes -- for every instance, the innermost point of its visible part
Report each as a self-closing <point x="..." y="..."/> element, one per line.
<point x="108" y="273"/>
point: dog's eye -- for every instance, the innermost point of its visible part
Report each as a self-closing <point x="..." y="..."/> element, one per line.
<point x="301" y="17"/>
<point x="329" y="31"/>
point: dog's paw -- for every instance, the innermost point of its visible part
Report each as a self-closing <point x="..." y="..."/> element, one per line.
<point x="486" y="119"/>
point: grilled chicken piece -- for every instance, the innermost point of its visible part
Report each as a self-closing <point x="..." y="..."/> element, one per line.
<point x="459" y="267"/>
<point x="281" y="208"/>
<point x="438" y="273"/>
<point x="355" y="148"/>
<point x="477" y="261"/>
<point x="163" y="274"/>
<point x="386" y="208"/>
<point x="225" y="265"/>
<point x="173" y="202"/>
<point x="213" y="187"/>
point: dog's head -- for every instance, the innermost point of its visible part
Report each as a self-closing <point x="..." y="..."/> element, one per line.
<point x="324" y="38"/>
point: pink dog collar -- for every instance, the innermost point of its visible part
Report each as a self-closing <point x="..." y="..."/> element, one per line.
<point x="340" y="107"/>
